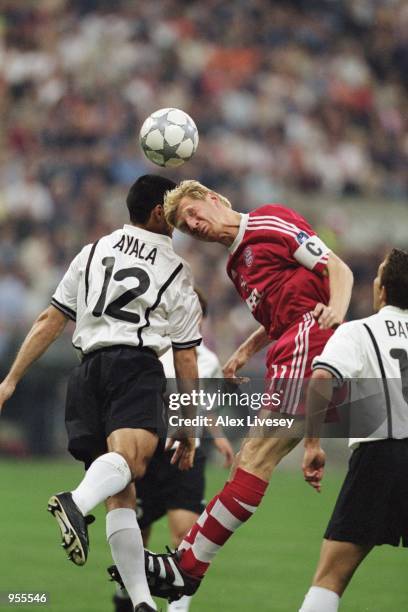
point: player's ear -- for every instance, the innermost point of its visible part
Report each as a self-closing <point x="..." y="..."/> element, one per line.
<point x="158" y="212"/>
<point x="159" y="222"/>
<point x="383" y="295"/>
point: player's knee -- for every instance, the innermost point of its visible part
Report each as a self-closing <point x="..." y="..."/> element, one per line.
<point x="137" y="448"/>
<point x="136" y="461"/>
<point x="137" y="465"/>
<point x="139" y="469"/>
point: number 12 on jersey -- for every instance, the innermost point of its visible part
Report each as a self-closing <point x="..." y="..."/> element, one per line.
<point x="115" y="307"/>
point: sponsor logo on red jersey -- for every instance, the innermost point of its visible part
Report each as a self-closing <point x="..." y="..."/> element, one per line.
<point x="248" y="257"/>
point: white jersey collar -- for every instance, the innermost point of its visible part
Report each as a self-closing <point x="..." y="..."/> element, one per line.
<point x="241" y="231"/>
<point x="395" y="310"/>
<point x="148" y="236"/>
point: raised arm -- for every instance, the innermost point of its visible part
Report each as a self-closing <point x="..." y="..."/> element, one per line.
<point x="341" y="284"/>
<point x="256" y="341"/>
<point x="46" y="328"/>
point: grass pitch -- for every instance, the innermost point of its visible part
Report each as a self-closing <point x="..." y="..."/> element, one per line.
<point x="267" y="565"/>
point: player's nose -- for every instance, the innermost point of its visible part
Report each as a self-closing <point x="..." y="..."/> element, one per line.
<point x="192" y="223"/>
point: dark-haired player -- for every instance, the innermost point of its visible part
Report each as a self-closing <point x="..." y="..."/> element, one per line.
<point x="131" y="298"/>
<point x="372" y="507"/>
<point x="298" y="291"/>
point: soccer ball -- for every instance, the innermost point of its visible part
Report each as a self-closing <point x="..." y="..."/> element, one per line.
<point x="169" y="137"/>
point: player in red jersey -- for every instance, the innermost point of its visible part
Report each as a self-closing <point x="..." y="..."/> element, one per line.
<point x="280" y="268"/>
<point x="298" y="291"/>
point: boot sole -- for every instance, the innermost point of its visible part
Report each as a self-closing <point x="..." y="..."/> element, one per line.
<point x="70" y="539"/>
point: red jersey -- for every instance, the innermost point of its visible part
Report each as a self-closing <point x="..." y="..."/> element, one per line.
<point x="278" y="265"/>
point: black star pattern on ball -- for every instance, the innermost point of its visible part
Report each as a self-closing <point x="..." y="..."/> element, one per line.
<point x="167" y="151"/>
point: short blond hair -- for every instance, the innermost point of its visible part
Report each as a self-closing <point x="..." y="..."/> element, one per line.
<point x="191" y="188"/>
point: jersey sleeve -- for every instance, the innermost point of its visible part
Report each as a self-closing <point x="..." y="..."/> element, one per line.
<point x="342" y="356"/>
<point x="185" y="316"/>
<point x="65" y="296"/>
<point x="304" y="246"/>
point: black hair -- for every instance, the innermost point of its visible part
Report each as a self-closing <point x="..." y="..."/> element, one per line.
<point x="394" y="278"/>
<point x="146" y="193"/>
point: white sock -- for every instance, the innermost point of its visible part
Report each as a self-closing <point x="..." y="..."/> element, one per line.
<point x="182" y="605"/>
<point x="319" y="599"/>
<point x="106" y="476"/>
<point x="125" y="540"/>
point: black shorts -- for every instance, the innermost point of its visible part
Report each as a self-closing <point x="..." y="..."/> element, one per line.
<point x="113" y="388"/>
<point x="372" y="507"/>
<point x="164" y="487"/>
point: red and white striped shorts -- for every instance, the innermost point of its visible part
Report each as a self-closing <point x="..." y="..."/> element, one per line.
<point x="289" y="362"/>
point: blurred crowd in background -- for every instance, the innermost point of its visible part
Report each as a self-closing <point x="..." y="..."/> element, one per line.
<point x="303" y="102"/>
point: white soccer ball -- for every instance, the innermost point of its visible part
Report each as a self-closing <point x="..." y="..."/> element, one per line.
<point x="169" y="137"/>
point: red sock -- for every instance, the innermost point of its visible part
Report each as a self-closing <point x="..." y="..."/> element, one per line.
<point x="224" y="514"/>
<point x="191" y="535"/>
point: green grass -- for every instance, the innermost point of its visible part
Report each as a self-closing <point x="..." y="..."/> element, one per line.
<point x="266" y="566"/>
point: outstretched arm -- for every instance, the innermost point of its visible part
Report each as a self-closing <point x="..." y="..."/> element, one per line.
<point x="256" y="342"/>
<point x="47" y="327"/>
<point x="341" y="284"/>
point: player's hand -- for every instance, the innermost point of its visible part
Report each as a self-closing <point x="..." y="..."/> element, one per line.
<point x="224" y="447"/>
<point x="6" y="391"/>
<point x="326" y="317"/>
<point x="314" y="461"/>
<point x="183" y="456"/>
<point x="235" y="363"/>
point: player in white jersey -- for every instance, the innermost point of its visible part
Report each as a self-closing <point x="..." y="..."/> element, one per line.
<point x="132" y="298"/>
<point x="165" y="490"/>
<point x="372" y="507"/>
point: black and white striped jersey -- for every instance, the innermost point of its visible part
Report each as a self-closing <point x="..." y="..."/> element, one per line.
<point x="374" y="348"/>
<point x="130" y="288"/>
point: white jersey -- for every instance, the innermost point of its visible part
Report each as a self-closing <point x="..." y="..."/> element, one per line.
<point x="130" y="288"/>
<point x="374" y="348"/>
